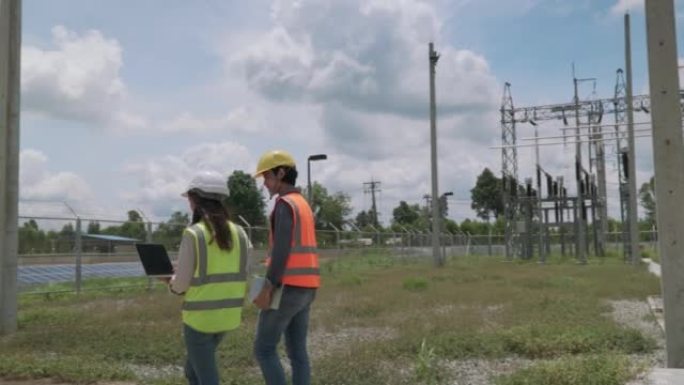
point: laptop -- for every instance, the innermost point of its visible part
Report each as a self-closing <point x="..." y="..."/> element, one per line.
<point x="154" y="259"/>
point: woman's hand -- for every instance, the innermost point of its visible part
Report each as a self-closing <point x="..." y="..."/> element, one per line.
<point x="263" y="300"/>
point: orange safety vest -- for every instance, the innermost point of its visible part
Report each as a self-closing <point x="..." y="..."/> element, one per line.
<point x="301" y="268"/>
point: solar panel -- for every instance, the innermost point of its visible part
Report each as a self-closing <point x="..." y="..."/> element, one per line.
<point x="42" y="274"/>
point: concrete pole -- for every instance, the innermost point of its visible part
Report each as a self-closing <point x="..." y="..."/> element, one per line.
<point x="436" y="222"/>
<point x="10" y="53"/>
<point x="631" y="166"/>
<point x="580" y="236"/>
<point x="668" y="153"/>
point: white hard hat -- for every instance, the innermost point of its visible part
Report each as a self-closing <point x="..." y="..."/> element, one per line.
<point x="208" y="184"/>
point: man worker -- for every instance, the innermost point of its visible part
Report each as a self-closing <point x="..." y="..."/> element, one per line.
<point x="292" y="266"/>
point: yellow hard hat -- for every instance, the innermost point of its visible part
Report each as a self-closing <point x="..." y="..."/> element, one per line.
<point x="273" y="159"/>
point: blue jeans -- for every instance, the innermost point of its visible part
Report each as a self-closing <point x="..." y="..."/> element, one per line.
<point x="291" y="319"/>
<point x="200" y="366"/>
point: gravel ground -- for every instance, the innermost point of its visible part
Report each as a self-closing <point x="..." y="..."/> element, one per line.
<point x="634" y="314"/>
<point x="481" y="372"/>
<point x="322" y="342"/>
<point x="637" y="314"/>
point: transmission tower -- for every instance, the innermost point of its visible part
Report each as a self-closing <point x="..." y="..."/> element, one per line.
<point x="622" y="154"/>
<point x="591" y="111"/>
<point x="509" y="169"/>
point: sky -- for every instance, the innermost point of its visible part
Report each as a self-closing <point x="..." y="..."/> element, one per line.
<point x="121" y="105"/>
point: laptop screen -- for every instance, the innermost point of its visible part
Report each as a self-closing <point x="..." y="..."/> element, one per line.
<point x="154" y="259"/>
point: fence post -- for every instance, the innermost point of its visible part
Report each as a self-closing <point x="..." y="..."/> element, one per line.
<point x="467" y="243"/>
<point x="337" y="235"/>
<point x="249" y="227"/>
<point x="78" y="246"/>
<point x="148" y="239"/>
<point x="489" y="241"/>
<point x="148" y="236"/>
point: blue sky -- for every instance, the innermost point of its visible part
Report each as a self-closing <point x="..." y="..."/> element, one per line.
<point x="120" y="105"/>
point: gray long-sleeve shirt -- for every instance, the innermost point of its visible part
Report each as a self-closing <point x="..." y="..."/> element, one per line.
<point x="282" y="226"/>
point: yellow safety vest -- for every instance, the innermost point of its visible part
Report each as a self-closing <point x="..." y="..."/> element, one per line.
<point x="213" y="303"/>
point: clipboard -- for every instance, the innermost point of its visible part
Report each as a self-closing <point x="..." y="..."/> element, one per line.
<point x="255" y="287"/>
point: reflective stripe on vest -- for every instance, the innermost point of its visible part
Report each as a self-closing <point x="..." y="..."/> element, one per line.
<point x="214" y="301"/>
<point x="302" y="264"/>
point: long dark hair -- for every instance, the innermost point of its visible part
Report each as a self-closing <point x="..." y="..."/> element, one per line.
<point x="216" y="216"/>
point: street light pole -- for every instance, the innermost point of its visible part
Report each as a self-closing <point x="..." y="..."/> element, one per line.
<point x="308" y="173"/>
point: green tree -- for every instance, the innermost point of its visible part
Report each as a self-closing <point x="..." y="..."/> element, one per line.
<point x="93" y="227"/>
<point x="31" y="238"/>
<point x="64" y="239"/>
<point x="134" y="227"/>
<point x="487" y="196"/>
<point x="245" y="199"/>
<point x="405" y="214"/>
<point x="363" y="218"/>
<point x="647" y="199"/>
<point x="329" y="209"/>
<point x="475" y="227"/>
<point x="169" y="233"/>
<point x="450" y="226"/>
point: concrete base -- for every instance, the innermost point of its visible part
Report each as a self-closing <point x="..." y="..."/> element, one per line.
<point x="662" y="376"/>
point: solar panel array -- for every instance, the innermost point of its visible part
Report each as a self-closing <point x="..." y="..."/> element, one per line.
<point x="45" y="274"/>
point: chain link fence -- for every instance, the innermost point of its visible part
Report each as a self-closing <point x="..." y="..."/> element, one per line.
<point x="60" y="253"/>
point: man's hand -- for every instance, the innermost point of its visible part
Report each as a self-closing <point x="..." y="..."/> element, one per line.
<point x="263" y="300"/>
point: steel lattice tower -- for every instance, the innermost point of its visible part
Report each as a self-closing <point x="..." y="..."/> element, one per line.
<point x="509" y="169"/>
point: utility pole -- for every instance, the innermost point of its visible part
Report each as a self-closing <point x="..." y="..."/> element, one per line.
<point x="668" y="154"/>
<point x="436" y="222"/>
<point x="631" y="158"/>
<point x="10" y="54"/>
<point x="371" y="187"/>
<point x="580" y="236"/>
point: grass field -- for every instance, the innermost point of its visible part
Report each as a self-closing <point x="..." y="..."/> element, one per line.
<point x="377" y="320"/>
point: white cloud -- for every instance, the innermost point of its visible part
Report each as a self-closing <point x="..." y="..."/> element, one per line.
<point x="369" y="80"/>
<point x="38" y="182"/>
<point x="79" y="79"/>
<point x="161" y="180"/>
<point x="624" y="6"/>
<point x="239" y="120"/>
<point x="376" y="63"/>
